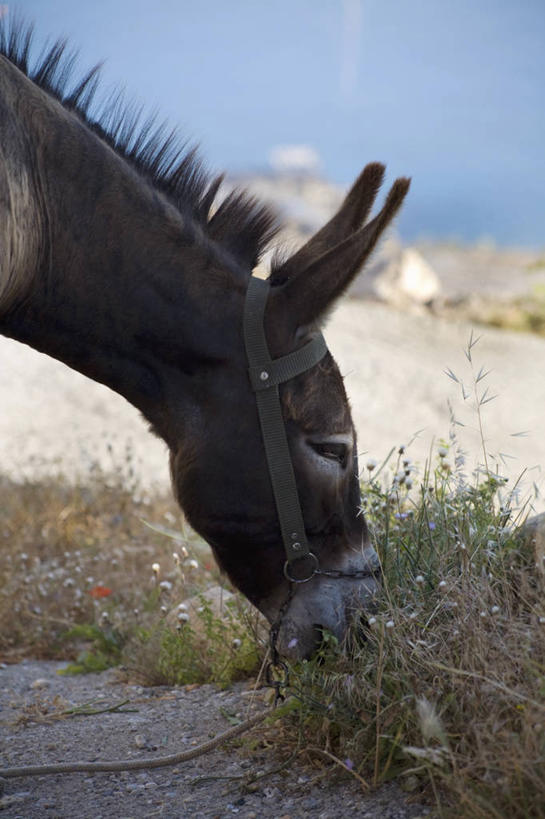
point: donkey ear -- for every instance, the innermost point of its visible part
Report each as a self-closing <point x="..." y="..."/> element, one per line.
<point x="312" y="279"/>
<point x="350" y="216"/>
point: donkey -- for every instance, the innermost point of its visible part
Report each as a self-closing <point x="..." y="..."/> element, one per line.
<point x="117" y="258"/>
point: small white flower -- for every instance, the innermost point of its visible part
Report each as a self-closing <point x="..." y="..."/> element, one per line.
<point x="372" y="621"/>
<point x="371" y="464"/>
<point x="494" y="609"/>
<point x="541" y="620"/>
<point x="408" y="483"/>
<point x="155" y="567"/>
<point x="183" y="617"/>
<point x="442" y="452"/>
<point x="406" y="462"/>
<point x="390" y="624"/>
<point x="192" y="564"/>
<point x="182" y="607"/>
<point x="482" y="614"/>
<point x="164" y="610"/>
<point x="176" y="558"/>
<point x="165" y="585"/>
<point x="237" y="643"/>
<point x="419" y="579"/>
<point x="413" y="615"/>
<point x="462" y="547"/>
<point x="443" y="584"/>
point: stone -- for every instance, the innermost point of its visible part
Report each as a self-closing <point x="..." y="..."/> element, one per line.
<point x="533" y="533"/>
<point x="399" y="276"/>
<point x="40" y="683"/>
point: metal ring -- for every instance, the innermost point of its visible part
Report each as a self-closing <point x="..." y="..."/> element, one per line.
<point x="282" y="670"/>
<point x="315" y="569"/>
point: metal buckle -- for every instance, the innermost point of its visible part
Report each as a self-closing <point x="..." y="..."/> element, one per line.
<point x="277" y="676"/>
<point x="314" y="569"/>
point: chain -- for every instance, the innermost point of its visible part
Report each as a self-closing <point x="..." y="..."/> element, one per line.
<point x="357" y="574"/>
<point x="277" y="672"/>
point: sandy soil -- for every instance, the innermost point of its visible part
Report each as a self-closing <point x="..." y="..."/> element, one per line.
<point x="53" y="419"/>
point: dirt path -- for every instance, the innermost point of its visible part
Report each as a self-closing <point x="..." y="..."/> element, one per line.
<point x="164" y="720"/>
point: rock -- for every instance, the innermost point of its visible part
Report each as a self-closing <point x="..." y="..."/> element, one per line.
<point x="40" y="683"/>
<point x="397" y="276"/>
<point x="533" y="532"/>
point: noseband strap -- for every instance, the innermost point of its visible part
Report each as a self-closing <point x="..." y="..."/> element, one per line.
<point x="265" y="376"/>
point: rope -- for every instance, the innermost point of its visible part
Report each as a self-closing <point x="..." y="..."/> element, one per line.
<point x="132" y="764"/>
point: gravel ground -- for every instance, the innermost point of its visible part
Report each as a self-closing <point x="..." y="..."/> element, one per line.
<point x="164" y="721"/>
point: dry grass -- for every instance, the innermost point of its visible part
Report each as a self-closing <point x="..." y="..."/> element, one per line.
<point x="524" y="314"/>
<point x="93" y="573"/>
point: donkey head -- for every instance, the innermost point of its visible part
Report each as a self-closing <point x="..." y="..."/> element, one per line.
<point x="223" y="481"/>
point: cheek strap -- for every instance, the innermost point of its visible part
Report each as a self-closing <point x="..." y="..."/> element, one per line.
<point x="265" y="375"/>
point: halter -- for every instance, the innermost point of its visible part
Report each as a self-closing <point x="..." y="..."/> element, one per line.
<point x="265" y="376"/>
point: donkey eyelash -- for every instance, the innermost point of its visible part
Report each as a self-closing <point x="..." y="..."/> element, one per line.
<point x="332" y="451"/>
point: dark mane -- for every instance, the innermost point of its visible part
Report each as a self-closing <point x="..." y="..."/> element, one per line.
<point x="241" y="224"/>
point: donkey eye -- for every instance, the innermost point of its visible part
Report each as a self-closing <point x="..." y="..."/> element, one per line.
<point x="332" y="451"/>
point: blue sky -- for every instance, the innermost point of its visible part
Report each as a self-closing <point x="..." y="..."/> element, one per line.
<point x="450" y="92"/>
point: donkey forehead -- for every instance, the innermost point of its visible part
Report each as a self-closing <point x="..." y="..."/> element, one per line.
<point x="316" y="401"/>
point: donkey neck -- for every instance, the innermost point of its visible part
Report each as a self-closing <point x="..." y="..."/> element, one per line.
<point x="121" y="284"/>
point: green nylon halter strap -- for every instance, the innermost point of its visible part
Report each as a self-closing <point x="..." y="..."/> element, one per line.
<point x="265" y="376"/>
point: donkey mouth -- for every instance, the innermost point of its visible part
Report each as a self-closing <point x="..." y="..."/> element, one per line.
<point x="325" y="607"/>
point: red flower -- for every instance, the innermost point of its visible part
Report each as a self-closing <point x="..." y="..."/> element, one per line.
<point x="100" y="591"/>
